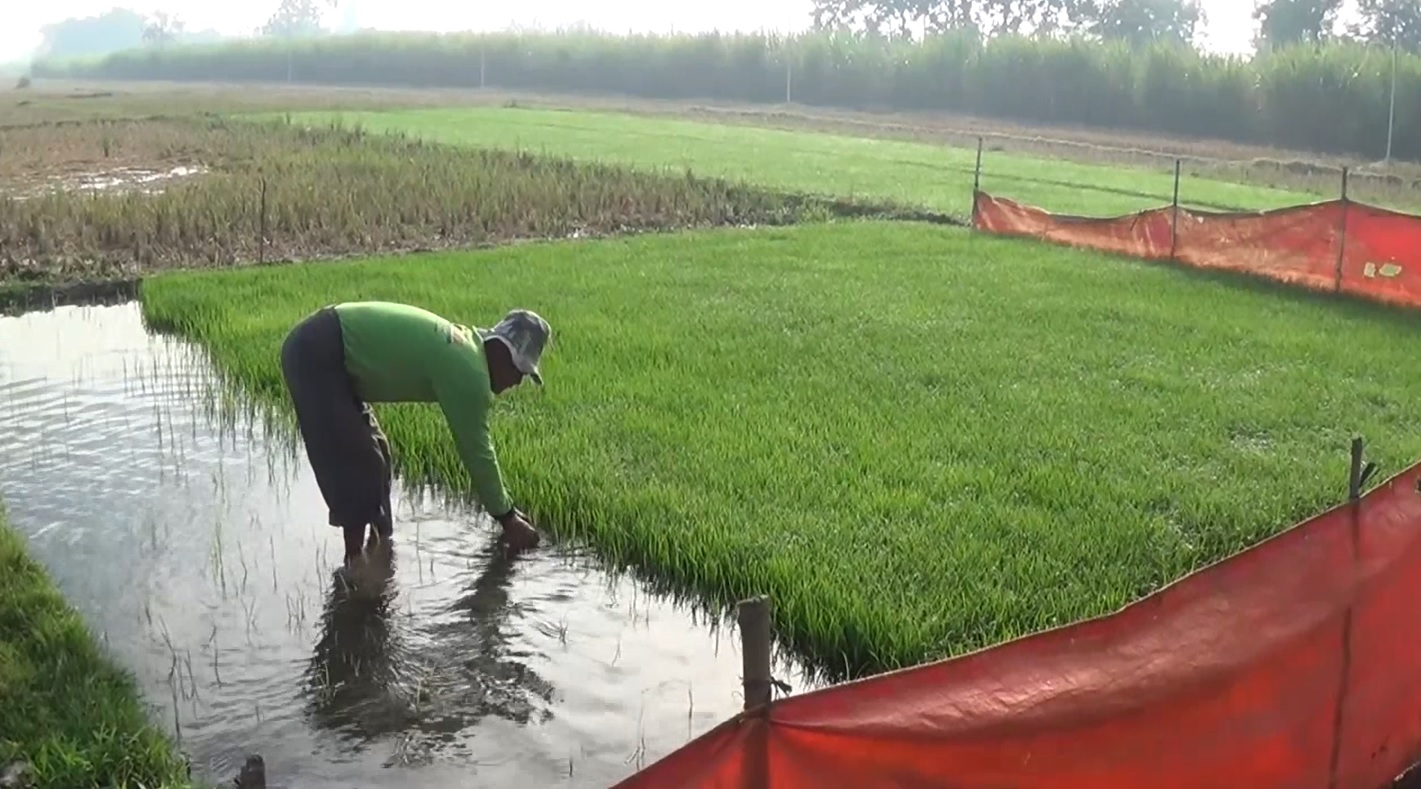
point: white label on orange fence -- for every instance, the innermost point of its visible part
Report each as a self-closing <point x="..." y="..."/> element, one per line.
<point x="1371" y="271"/>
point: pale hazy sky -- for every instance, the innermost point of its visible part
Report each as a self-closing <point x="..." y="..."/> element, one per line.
<point x="1230" y="26"/>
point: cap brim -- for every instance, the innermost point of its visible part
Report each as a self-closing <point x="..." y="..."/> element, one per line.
<point x="534" y="373"/>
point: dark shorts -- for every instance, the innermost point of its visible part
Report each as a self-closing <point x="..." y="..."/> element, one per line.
<point x="346" y="448"/>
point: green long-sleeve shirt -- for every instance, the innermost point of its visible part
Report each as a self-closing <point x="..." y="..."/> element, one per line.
<point x="400" y="353"/>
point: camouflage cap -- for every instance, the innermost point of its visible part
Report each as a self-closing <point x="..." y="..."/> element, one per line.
<point x="526" y="334"/>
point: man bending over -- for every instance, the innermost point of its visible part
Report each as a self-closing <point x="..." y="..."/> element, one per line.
<point x="343" y="357"/>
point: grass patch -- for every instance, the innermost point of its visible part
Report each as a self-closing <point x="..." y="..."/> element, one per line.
<point x="917" y="440"/>
<point x="935" y="176"/>
<point x="106" y="200"/>
<point x="67" y="711"/>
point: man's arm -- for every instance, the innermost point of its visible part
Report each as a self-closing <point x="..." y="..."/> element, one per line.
<point x="465" y="398"/>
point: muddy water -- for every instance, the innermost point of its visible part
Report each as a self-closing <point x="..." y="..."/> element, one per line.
<point x="197" y="547"/>
<point x="123" y="179"/>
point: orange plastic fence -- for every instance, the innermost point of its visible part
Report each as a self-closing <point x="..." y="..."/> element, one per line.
<point x="1292" y="664"/>
<point x="1337" y="245"/>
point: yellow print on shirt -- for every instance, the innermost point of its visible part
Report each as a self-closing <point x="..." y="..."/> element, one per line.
<point x="457" y="333"/>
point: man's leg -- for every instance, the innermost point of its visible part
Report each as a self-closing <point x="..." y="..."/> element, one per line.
<point x="354" y="541"/>
<point x="384" y="525"/>
<point x="365" y="476"/>
<point x="333" y="427"/>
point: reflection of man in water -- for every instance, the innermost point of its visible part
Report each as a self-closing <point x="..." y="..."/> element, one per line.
<point x="353" y="678"/>
<point x="475" y="636"/>
<point x="341" y="358"/>
<point x="367" y="680"/>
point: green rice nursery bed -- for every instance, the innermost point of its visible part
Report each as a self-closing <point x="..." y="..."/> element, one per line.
<point x="916" y="440"/>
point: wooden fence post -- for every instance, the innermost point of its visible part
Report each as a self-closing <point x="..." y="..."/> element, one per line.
<point x="1357" y="476"/>
<point x="1354" y="476"/>
<point x="1360" y="473"/>
<point x="977" y="171"/>
<point x="976" y="185"/>
<point x="1174" y="214"/>
<point x="1342" y="233"/>
<point x="261" y="228"/>
<point x="754" y="620"/>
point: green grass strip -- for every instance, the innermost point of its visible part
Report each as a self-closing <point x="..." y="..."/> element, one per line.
<point x="65" y="709"/>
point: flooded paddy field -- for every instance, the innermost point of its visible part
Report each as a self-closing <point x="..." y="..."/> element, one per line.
<point x="131" y="179"/>
<point x="196" y="545"/>
<point x="103" y="201"/>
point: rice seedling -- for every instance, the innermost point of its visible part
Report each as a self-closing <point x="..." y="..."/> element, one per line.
<point x="916" y="440"/>
<point x="1276" y="97"/>
<point x="215" y="558"/>
<point x="277" y="192"/>
<point x="242" y="559"/>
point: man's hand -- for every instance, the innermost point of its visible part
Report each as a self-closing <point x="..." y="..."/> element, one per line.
<point x="518" y="532"/>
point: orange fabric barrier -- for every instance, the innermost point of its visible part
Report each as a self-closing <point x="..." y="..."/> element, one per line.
<point x="1291" y="664"/>
<point x="1379" y="250"/>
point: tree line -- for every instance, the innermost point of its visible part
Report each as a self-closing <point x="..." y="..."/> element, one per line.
<point x="1331" y="98"/>
<point x="1278" y="23"/>
<point x="119" y="29"/>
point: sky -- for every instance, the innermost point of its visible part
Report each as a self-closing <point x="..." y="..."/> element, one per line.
<point x="1229" y="29"/>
